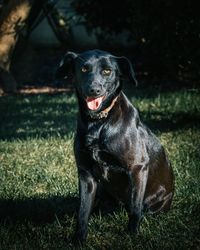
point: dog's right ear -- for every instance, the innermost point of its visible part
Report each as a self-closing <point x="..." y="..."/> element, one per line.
<point x="66" y="67"/>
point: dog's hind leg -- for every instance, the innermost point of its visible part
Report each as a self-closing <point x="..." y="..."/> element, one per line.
<point x="158" y="202"/>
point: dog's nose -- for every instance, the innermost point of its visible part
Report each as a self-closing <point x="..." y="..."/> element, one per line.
<point x="95" y="90"/>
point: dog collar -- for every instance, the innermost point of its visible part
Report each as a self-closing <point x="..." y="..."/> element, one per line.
<point x="103" y="113"/>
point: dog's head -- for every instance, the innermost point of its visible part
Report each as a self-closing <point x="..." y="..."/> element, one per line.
<point x="97" y="76"/>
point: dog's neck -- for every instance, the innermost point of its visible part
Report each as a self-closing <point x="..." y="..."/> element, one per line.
<point x="104" y="113"/>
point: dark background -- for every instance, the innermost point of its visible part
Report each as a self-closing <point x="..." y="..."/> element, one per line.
<point x="161" y="38"/>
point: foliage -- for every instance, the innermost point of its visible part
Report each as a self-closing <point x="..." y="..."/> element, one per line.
<point x="38" y="190"/>
<point x="165" y="33"/>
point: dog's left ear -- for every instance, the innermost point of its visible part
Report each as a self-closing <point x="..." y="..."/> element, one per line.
<point x="126" y="69"/>
<point x="66" y="67"/>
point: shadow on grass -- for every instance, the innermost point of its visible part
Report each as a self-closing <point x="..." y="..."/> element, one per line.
<point x="172" y="122"/>
<point x="150" y="90"/>
<point x="45" y="210"/>
<point x="44" y="115"/>
<point x="169" y="120"/>
<point x="37" y="210"/>
<point x="33" y="116"/>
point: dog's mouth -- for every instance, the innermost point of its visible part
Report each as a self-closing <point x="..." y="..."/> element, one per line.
<point x="93" y="103"/>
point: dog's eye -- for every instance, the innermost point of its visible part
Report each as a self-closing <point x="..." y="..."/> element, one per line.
<point x="106" y="72"/>
<point x="84" y="69"/>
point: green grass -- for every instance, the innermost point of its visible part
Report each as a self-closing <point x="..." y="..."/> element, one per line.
<point x="38" y="178"/>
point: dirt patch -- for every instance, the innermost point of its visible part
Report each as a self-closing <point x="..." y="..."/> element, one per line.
<point x="32" y="90"/>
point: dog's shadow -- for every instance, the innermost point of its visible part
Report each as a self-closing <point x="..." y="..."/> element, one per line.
<point x="37" y="210"/>
<point x="45" y="210"/>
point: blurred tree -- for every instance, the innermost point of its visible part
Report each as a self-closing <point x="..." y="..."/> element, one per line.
<point x="12" y="20"/>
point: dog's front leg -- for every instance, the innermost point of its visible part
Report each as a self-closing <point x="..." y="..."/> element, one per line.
<point x="87" y="191"/>
<point x="137" y="185"/>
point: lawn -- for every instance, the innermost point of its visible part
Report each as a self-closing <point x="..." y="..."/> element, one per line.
<point x="38" y="178"/>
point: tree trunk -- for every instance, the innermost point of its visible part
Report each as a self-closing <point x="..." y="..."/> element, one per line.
<point x="12" y="20"/>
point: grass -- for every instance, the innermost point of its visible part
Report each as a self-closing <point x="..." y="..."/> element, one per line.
<point x="38" y="178"/>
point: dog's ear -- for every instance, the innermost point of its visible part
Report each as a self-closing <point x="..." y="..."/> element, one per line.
<point x="66" y="67"/>
<point x="126" y="69"/>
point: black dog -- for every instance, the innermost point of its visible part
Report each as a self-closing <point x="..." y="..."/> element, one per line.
<point x="113" y="148"/>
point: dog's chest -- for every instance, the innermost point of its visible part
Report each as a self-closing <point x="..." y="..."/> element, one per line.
<point x="94" y="143"/>
<point x="94" y="147"/>
<point x="106" y="168"/>
<point x="106" y="165"/>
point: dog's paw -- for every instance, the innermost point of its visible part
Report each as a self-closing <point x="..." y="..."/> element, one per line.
<point x="133" y="228"/>
<point x="78" y="240"/>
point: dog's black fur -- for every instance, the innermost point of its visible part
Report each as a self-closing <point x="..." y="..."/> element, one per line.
<point x="113" y="148"/>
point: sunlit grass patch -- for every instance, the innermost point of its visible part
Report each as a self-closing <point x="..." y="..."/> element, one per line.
<point x="38" y="177"/>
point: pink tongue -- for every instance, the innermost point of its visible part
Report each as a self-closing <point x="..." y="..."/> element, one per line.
<point x="94" y="103"/>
